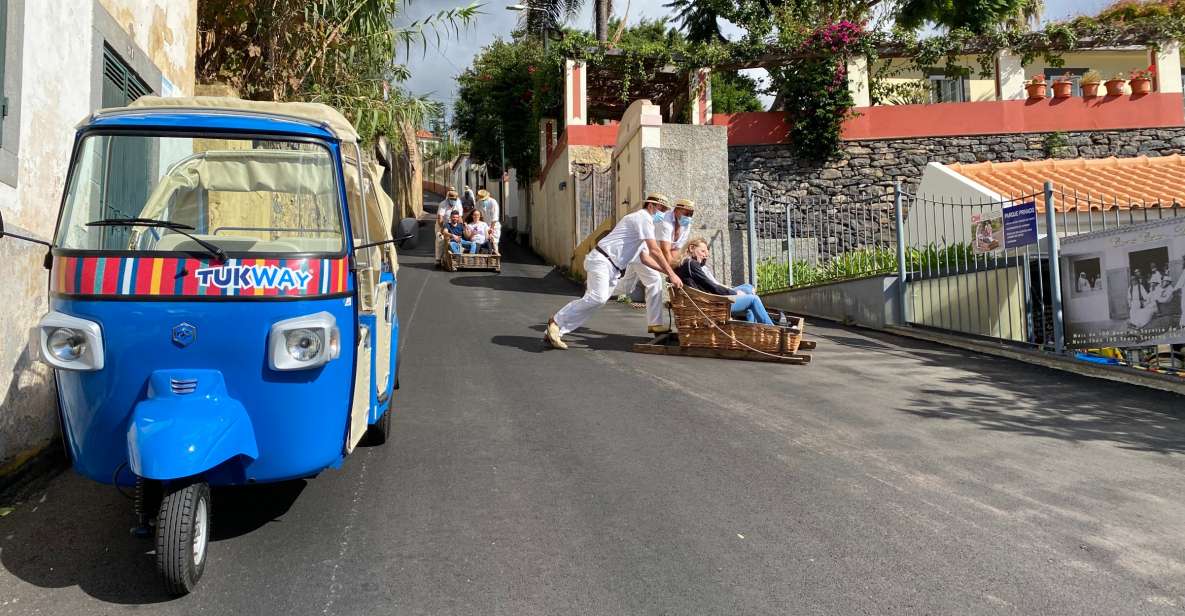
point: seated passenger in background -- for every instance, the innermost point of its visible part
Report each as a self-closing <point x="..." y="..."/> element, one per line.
<point x="477" y="231"/>
<point x="691" y="270"/>
<point x="454" y="233"/>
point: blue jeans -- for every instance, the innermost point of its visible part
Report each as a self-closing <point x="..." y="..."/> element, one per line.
<point x="459" y="247"/>
<point x="746" y="288"/>
<point x="751" y="309"/>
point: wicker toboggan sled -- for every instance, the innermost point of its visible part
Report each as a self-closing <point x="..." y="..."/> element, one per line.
<point x="452" y="262"/>
<point x="706" y="330"/>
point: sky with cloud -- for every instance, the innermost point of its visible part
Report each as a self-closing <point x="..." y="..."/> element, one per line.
<point x="434" y="72"/>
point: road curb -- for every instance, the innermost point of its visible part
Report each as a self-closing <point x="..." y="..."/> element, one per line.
<point x="1119" y="374"/>
<point x="30" y="471"/>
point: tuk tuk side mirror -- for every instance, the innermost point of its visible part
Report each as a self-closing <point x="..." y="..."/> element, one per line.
<point x="5" y="233"/>
<point x="407" y="233"/>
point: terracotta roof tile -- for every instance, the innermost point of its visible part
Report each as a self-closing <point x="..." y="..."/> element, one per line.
<point x="1082" y="184"/>
<point x="423" y="134"/>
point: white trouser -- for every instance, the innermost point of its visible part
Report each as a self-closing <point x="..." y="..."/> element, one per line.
<point x="495" y="235"/>
<point x="600" y="275"/>
<point x="637" y="272"/>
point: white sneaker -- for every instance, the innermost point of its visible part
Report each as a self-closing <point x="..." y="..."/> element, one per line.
<point x="553" y="336"/>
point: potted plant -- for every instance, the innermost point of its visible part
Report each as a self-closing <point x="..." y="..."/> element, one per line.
<point x="1141" y="81"/>
<point x="1090" y="83"/>
<point x="1063" y="87"/>
<point x="1115" y="85"/>
<point x="1036" y="87"/>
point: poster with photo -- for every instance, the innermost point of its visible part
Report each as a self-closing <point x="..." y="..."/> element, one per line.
<point x="1125" y="287"/>
<point x="987" y="231"/>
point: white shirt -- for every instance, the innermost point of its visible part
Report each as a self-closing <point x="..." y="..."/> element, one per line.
<point x="480" y="231"/>
<point x="446" y="209"/>
<point x="625" y="241"/>
<point x="490" y="210"/>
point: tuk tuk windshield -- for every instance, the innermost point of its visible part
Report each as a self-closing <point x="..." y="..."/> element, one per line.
<point x="201" y="194"/>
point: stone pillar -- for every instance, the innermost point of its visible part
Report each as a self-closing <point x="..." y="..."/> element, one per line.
<point x="1167" y="61"/>
<point x="546" y="140"/>
<point x="1010" y="77"/>
<point x="699" y="92"/>
<point x="858" y="81"/>
<point x="575" y="93"/>
<point x="641" y="127"/>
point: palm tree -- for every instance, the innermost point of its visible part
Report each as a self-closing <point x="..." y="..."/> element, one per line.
<point x="697" y="20"/>
<point x="547" y="15"/>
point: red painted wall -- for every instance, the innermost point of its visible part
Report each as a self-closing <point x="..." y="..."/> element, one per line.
<point x="577" y="134"/>
<point x="985" y="118"/>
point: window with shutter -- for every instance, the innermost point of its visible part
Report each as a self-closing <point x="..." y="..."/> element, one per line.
<point x="129" y="161"/>
<point x="121" y="84"/>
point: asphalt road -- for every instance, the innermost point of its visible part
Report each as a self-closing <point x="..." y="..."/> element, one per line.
<point x="888" y="477"/>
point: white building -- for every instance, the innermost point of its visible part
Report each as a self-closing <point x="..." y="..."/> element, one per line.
<point x="62" y="59"/>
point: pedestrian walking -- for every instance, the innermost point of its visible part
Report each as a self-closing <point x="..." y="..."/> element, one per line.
<point x="467" y="199"/>
<point x="606" y="264"/>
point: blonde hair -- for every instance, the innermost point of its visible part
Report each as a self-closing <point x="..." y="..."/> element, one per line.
<point x="685" y="253"/>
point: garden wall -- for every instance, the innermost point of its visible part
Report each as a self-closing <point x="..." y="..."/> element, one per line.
<point x="867" y="169"/>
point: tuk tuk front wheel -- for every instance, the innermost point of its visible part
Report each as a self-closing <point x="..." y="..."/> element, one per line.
<point x="183" y="528"/>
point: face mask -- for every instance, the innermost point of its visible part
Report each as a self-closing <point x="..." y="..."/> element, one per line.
<point x="659" y="217"/>
<point x="454" y="202"/>
<point x="684" y="221"/>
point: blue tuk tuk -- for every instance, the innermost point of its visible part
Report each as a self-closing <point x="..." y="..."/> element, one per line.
<point x="222" y="305"/>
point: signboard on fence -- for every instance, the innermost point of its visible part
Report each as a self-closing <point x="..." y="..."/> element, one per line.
<point x="988" y="231"/>
<point x="1015" y="227"/>
<point x="1125" y="287"/>
<point x="1020" y="225"/>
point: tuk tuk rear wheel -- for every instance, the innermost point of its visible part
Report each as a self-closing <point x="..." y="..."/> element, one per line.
<point x="183" y="528"/>
<point x="377" y="434"/>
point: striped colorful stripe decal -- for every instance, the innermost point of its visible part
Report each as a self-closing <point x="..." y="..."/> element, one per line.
<point x="181" y="277"/>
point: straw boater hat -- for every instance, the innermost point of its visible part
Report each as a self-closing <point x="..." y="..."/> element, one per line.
<point x="483" y="194"/>
<point x="452" y="194"/>
<point x="657" y="198"/>
<point x="686" y="204"/>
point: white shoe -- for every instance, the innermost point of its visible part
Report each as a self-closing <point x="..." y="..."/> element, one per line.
<point x="553" y="336"/>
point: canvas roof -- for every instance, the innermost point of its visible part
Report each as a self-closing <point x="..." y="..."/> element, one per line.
<point x="1095" y="184"/>
<point x="318" y="113"/>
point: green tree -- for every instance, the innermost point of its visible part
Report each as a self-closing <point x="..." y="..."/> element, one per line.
<point x="733" y="92"/>
<point x="500" y="97"/>
<point x="340" y="52"/>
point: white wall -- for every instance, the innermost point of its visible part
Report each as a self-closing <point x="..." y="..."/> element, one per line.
<point x="57" y="64"/>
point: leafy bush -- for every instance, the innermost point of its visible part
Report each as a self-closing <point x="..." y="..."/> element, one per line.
<point x="772" y="274"/>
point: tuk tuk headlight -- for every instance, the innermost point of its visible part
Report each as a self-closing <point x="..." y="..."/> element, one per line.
<point x="303" y="342"/>
<point x="71" y="343"/>
<point x="66" y="344"/>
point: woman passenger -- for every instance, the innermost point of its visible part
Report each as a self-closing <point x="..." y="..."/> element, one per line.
<point x="691" y="270"/>
<point x="477" y="231"/>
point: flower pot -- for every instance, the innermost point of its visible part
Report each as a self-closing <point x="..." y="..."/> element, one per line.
<point x="1063" y="89"/>
<point x="1035" y="90"/>
<point x="1115" y="87"/>
<point x="1090" y="90"/>
<point x="1141" y="85"/>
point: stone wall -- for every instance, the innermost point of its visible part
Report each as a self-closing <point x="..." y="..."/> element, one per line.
<point x="867" y="170"/>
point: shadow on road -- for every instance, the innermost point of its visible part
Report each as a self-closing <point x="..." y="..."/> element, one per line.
<point x="241" y="510"/>
<point x="552" y="284"/>
<point x="78" y="534"/>
<point x="1003" y="395"/>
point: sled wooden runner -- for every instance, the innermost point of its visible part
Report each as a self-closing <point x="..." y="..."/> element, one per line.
<point x="667" y="344"/>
